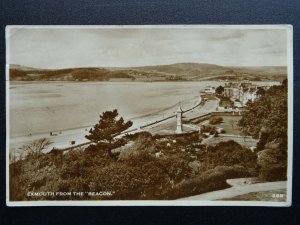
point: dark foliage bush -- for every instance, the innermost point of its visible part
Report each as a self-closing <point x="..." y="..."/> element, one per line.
<point x="140" y="176"/>
<point x="140" y="135"/>
<point x="215" y="120"/>
<point x="266" y="118"/>
<point x="208" y="129"/>
<point x="274" y="173"/>
<point x="211" y="180"/>
<point x="228" y="153"/>
<point x="273" y="163"/>
<point x="219" y="90"/>
<point x="268" y="114"/>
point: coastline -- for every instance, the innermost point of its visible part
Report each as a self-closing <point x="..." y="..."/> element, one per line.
<point x="66" y="135"/>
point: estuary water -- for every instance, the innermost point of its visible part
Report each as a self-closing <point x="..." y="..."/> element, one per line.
<point x="42" y="107"/>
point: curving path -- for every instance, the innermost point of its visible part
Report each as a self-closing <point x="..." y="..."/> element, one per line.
<point x="239" y="187"/>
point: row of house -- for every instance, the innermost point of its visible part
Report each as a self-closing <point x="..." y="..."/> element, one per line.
<point x="241" y="93"/>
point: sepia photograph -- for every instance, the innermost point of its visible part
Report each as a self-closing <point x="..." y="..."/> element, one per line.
<point x="183" y="115"/>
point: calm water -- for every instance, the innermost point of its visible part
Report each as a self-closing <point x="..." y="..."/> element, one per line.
<point x="48" y="106"/>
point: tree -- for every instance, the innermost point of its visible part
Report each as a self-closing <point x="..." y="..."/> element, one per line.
<point x="260" y="91"/>
<point x="284" y="83"/>
<point x="105" y="131"/>
<point x="266" y="117"/>
<point x="220" y="90"/>
<point x="36" y="147"/>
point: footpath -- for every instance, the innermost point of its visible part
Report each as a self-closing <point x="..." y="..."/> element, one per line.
<point x="238" y="187"/>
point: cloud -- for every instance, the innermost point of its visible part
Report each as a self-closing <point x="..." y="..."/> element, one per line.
<point x="79" y="47"/>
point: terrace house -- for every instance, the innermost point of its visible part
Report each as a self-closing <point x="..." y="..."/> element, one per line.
<point x="240" y="92"/>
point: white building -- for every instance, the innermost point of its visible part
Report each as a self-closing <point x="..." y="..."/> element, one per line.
<point x="240" y="93"/>
<point x="249" y="94"/>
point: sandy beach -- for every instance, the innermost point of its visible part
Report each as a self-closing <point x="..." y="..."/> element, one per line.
<point x="62" y="139"/>
<point x="70" y="109"/>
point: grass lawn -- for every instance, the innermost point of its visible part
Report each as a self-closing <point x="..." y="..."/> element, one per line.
<point x="230" y="127"/>
<point x="226" y="102"/>
<point x="229" y="124"/>
<point x="274" y="196"/>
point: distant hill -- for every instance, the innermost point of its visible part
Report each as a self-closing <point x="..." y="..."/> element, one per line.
<point x="173" y="72"/>
<point x="19" y="67"/>
<point x="18" y="73"/>
<point x="199" y="71"/>
<point x="185" y="68"/>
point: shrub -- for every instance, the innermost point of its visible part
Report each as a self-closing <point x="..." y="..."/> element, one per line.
<point x="208" y="129"/>
<point x="200" y="184"/>
<point x="231" y="172"/>
<point x="176" y="167"/>
<point x="130" y="182"/>
<point x="273" y="173"/>
<point x="195" y="166"/>
<point x="268" y="157"/>
<point x="143" y="142"/>
<point x="273" y="163"/>
<point x="138" y="174"/>
<point x="229" y="153"/>
<point x="210" y="180"/>
<point x="215" y="120"/>
<point x="143" y="134"/>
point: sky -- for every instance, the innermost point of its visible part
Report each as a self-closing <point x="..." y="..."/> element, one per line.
<point x="66" y="47"/>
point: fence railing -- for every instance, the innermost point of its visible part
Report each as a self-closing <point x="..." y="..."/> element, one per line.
<point x="202" y="117"/>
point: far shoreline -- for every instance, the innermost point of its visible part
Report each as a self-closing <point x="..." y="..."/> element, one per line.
<point x="140" y="81"/>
